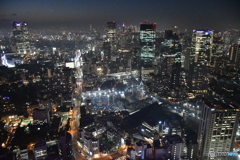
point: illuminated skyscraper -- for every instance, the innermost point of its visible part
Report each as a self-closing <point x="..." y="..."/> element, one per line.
<point x="217" y="130"/>
<point x="111" y="34"/>
<point x="202" y="46"/>
<point x="175" y="75"/>
<point x="234" y="53"/>
<point x="21" y="37"/>
<point x="147" y="49"/>
<point x="233" y="62"/>
<point x="200" y="60"/>
<point x="147" y="43"/>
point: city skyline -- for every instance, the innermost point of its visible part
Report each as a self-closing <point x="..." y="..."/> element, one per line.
<point x="217" y="15"/>
<point x="119" y="80"/>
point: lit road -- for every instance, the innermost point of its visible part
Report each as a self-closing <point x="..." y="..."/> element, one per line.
<point x="76" y="101"/>
<point x="74" y="130"/>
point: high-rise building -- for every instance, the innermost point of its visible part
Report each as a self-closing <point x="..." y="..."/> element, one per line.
<point x="217" y="130"/>
<point x="234" y="54"/>
<point x="147" y="43"/>
<point x="21" y="37"/>
<point x="111" y="34"/>
<point x="202" y="46"/>
<point x="147" y="49"/>
<point x="107" y="51"/>
<point x="200" y="60"/>
<point x="175" y="79"/>
<point x="197" y="77"/>
<point x="171" y="66"/>
<point x="227" y="39"/>
<point x="111" y="29"/>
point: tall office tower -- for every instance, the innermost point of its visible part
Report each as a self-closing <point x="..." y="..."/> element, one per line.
<point x="200" y="60"/>
<point x="106" y="47"/>
<point x="227" y="39"/>
<point x="217" y="129"/>
<point x="202" y="46"/>
<point x="21" y="37"/>
<point x="111" y="34"/>
<point x="175" y="79"/>
<point x="147" y="43"/>
<point x="233" y="61"/>
<point x="147" y="49"/>
<point x="217" y="48"/>
<point x="170" y="60"/>
<point x="185" y="57"/>
<point x="234" y="54"/>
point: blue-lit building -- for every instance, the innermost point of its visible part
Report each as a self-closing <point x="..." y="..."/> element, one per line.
<point x="21" y="38"/>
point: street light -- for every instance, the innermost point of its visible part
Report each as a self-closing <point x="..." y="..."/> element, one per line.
<point x="108" y="99"/>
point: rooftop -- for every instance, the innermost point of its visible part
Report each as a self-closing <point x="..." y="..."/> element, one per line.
<point x="220" y="104"/>
<point x="174" y="139"/>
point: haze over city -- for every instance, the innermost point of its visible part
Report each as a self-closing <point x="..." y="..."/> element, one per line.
<point x="213" y="14"/>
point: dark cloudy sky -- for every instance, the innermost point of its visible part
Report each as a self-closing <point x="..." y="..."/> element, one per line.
<point x="212" y="14"/>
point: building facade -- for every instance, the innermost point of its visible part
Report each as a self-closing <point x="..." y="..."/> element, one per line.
<point x="200" y="60"/>
<point x="217" y="129"/>
<point x="147" y="49"/>
<point x="147" y="43"/>
<point x="21" y="38"/>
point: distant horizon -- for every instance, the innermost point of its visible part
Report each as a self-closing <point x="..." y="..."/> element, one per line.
<point x="214" y="14"/>
<point x="59" y="27"/>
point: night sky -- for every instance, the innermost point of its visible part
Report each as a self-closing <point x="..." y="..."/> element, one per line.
<point x="191" y="14"/>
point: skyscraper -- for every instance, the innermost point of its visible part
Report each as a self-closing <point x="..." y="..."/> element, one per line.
<point x="147" y="43"/>
<point x="234" y="53"/>
<point x="202" y="46"/>
<point x="200" y="60"/>
<point x="217" y="130"/>
<point x="21" y="37"/>
<point x="175" y="75"/>
<point x="111" y="34"/>
<point x="147" y="49"/>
